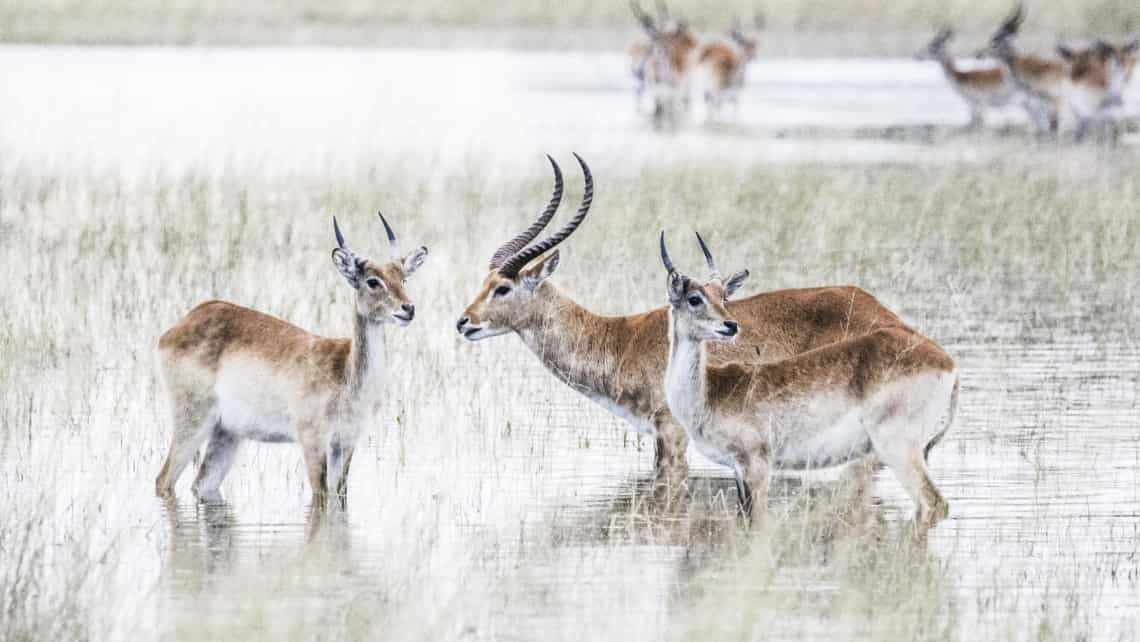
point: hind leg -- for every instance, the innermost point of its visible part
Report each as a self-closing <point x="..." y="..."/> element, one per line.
<point x="909" y="466"/>
<point x="219" y="458"/>
<point x="194" y="421"/>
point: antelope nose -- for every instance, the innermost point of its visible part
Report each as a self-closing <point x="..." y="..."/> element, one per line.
<point x="409" y="309"/>
<point x="732" y="326"/>
<point x="460" y="323"/>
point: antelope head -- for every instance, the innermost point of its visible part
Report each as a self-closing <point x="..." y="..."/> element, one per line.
<point x="508" y="298"/>
<point x="746" y="43"/>
<point x="380" y="295"/>
<point x="699" y="310"/>
<point x="1103" y="66"/>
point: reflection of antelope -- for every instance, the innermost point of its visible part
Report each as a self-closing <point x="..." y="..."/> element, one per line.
<point x="233" y="373"/>
<point x="619" y="361"/>
<point x="1098" y="77"/>
<point x="890" y="392"/>
<point x="1040" y="81"/>
<point x="661" y="67"/>
<point x="720" y="67"/>
<point x="982" y="89"/>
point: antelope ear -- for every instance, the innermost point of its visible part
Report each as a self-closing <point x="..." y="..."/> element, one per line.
<point x="348" y="266"/>
<point x="734" y="282"/>
<point x="1065" y="52"/>
<point x="413" y="261"/>
<point x="676" y="284"/>
<point x="540" y="270"/>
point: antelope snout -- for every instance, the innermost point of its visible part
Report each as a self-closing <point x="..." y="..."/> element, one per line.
<point x="730" y="329"/>
<point x="406" y="314"/>
<point x="460" y="324"/>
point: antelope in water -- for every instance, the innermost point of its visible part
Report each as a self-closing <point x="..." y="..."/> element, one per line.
<point x="619" y="361"/>
<point x="1041" y="82"/>
<point x="661" y="66"/>
<point x="233" y="373"/>
<point x="720" y="67"/>
<point x="982" y="89"/>
<point x="1098" y="77"/>
<point x="890" y="392"/>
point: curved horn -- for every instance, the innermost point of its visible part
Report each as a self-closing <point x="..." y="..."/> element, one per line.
<point x="339" y="236"/>
<point x="1011" y="24"/>
<point x="393" y="248"/>
<point x="665" y="260"/>
<point x="519" y="242"/>
<point x="708" y="257"/>
<point x="644" y="18"/>
<point x="511" y="267"/>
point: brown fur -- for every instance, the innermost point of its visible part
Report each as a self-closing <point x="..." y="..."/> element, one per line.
<point x="722" y="60"/>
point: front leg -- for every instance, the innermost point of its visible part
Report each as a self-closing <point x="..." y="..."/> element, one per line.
<point x="314" y="448"/>
<point x="752" y="474"/>
<point x="671" y="444"/>
<point x="339" y="461"/>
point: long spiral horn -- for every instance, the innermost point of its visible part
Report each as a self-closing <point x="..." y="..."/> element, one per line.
<point x="519" y="242"/>
<point x="511" y="267"/>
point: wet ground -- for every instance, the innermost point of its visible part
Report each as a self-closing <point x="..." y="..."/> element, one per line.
<point x="539" y="520"/>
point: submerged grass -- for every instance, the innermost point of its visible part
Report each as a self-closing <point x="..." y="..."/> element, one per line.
<point x="493" y="503"/>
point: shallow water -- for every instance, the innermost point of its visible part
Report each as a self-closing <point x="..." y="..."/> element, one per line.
<point x="538" y="520"/>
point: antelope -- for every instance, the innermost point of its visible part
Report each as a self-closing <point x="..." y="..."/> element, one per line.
<point x="1097" y="79"/>
<point x="662" y="67"/>
<point x="890" y="393"/>
<point x="720" y="68"/>
<point x="232" y="374"/>
<point x="982" y="89"/>
<point x="619" y="361"/>
<point x="1040" y="81"/>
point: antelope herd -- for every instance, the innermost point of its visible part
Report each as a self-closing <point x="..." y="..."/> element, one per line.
<point x="802" y="379"/>
<point x="675" y="70"/>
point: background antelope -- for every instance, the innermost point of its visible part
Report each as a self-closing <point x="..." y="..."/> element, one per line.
<point x="661" y="67"/>
<point x="982" y="89"/>
<point x="619" y="361"/>
<point x="720" y="68"/>
<point x="1040" y="82"/>
<point x="232" y="373"/>
<point x="890" y="392"/>
<point x="1098" y="76"/>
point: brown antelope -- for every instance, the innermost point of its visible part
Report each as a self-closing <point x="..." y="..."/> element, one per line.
<point x="619" y="361"/>
<point x="232" y="373"/>
<point x="982" y="89"/>
<point x="1098" y="77"/>
<point x="720" y="67"/>
<point x="661" y="67"/>
<point x="890" y="393"/>
<point x="1041" y="82"/>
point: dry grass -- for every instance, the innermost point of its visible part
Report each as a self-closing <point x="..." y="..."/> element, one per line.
<point x="498" y="506"/>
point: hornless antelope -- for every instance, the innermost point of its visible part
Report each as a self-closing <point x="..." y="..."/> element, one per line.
<point x="664" y="65"/>
<point x="720" y="67"/>
<point x="619" y="361"/>
<point x="890" y="392"/>
<point x="982" y="89"/>
<point x="1040" y="81"/>
<point x="1097" y="79"/>
<point x="233" y="373"/>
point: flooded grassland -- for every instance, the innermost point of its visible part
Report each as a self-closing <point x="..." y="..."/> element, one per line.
<point x="493" y="502"/>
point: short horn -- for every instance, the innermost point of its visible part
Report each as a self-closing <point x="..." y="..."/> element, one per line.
<point x="708" y="257"/>
<point x="339" y="236"/>
<point x="511" y="266"/>
<point x="511" y="247"/>
<point x="392" y="246"/>
<point x="665" y="260"/>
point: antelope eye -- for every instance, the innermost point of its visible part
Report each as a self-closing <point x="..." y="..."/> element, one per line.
<point x="694" y="301"/>
<point x="373" y="283"/>
<point x="502" y="290"/>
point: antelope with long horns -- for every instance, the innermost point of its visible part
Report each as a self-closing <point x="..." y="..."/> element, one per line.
<point x="233" y="374"/>
<point x="1040" y="82"/>
<point x="661" y="66"/>
<point x="619" y="361"/>
<point x="1098" y="76"/>
<point x="890" y="392"/>
<point x="982" y="89"/>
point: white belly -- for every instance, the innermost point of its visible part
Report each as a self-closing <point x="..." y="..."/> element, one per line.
<point x="254" y="404"/>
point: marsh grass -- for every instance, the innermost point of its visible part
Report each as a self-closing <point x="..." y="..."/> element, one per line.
<point x="493" y="502"/>
<point x="811" y="27"/>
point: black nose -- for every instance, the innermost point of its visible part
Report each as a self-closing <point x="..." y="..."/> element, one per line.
<point x="732" y="326"/>
<point x="460" y="323"/>
<point x="410" y="309"/>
